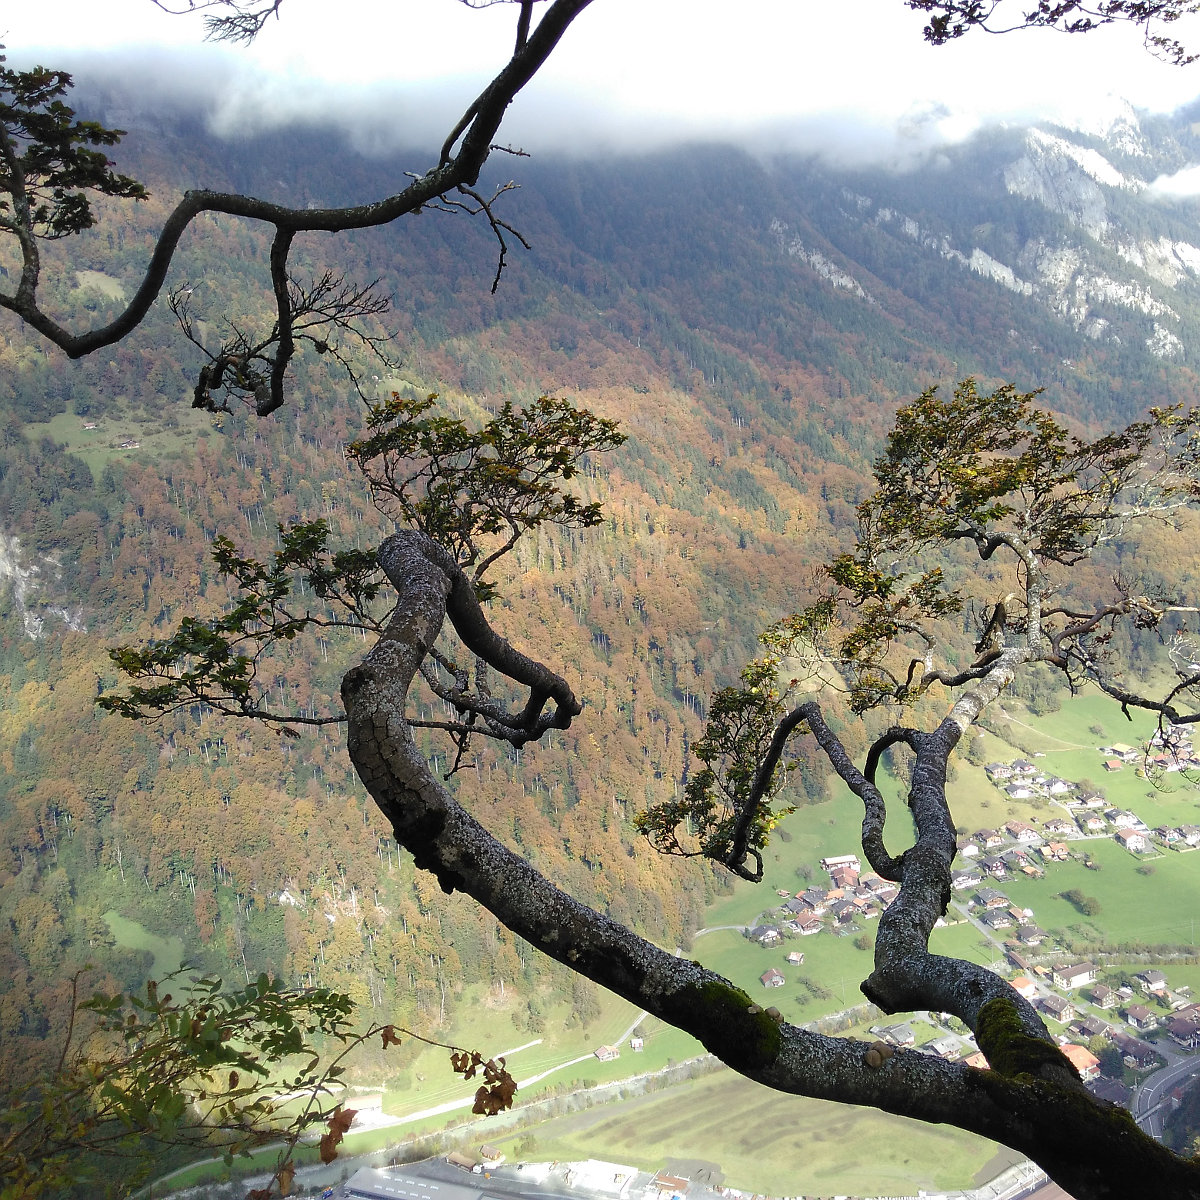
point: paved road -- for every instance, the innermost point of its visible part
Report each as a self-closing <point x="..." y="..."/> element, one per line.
<point x="1148" y="1100"/>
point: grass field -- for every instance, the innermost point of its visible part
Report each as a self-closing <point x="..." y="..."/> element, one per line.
<point x="102" y="445"/>
<point x="489" y="1027"/>
<point x="167" y="951"/>
<point x="762" y="1141"/>
<point x="1133" y="907"/>
<point x="833" y="963"/>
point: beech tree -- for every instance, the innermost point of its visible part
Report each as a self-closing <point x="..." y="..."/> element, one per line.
<point x="983" y="475"/>
<point x="988" y="473"/>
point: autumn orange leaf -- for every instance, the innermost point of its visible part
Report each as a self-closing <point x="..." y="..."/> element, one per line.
<point x="340" y="1121"/>
<point x="286" y="1174"/>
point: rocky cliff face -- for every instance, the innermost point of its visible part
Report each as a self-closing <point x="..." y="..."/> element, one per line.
<point x="1075" y="221"/>
<point x="25" y="583"/>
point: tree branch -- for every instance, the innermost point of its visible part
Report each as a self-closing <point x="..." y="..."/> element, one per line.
<point x="1026" y="1106"/>
<point x="473" y="134"/>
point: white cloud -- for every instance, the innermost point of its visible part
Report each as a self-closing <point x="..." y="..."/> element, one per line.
<point x="1180" y="186"/>
<point x="846" y="79"/>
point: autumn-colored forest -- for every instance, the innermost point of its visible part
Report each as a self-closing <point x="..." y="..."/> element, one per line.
<point x="754" y="397"/>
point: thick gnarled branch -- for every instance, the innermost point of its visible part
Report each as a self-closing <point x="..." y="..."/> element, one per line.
<point x="1027" y="1107"/>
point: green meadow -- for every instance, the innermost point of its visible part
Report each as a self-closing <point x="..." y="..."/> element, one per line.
<point x="109" y="441"/>
<point x="1153" y="908"/>
<point x="761" y="1141"/>
<point x="129" y="934"/>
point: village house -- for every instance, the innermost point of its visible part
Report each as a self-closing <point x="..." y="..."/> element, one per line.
<point x="1020" y="789"/>
<point x="637" y="1043"/>
<point x="989" y="839"/>
<point x="1112" y="1090"/>
<point x="1059" y="826"/>
<point x="1058" y="787"/>
<point x="807" y="923"/>
<point x="1058" y="1008"/>
<point x="996" y="918"/>
<point x="841" y="860"/>
<point x="1133" y="841"/>
<point x="1023" y="767"/>
<point x="1165" y="762"/>
<point x="1090" y="799"/>
<point x="1030" y="935"/>
<point x="1093" y="823"/>
<point x="1112" y="765"/>
<point x="990" y="898"/>
<point x="1024" y="986"/>
<point x="843" y="877"/>
<point x="1016" y="859"/>
<point x="772" y="978"/>
<point x="998" y="772"/>
<point x="1122" y="751"/>
<point x="765" y="935"/>
<point x="1056" y="852"/>
<point x="814" y="899"/>
<point x="1173" y="736"/>
<point x="1091" y="1027"/>
<point x="961" y="880"/>
<point x="1083" y="1060"/>
<point x="1190" y="834"/>
<point x="606" y="1053"/>
<point x="1102" y="996"/>
<point x="1152" y="981"/>
<point x="669" y="1185"/>
<point x="966" y="847"/>
<point x="1184" y="1029"/>
<point x="944" y="1047"/>
<point x="895" y="1035"/>
<point x="1122" y="818"/>
<point x="994" y="866"/>
<point x="795" y="958"/>
<point x="1020" y="832"/>
<point x="1133" y="1053"/>
<point x="1078" y="975"/>
<point x="1139" y="1016"/>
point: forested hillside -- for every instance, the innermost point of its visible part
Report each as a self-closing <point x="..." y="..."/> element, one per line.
<point x="751" y="325"/>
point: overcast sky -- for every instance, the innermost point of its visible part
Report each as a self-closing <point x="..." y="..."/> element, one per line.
<point x="849" y="76"/>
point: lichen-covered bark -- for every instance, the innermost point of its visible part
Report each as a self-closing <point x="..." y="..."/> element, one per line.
<point x="1039" y="1108"/>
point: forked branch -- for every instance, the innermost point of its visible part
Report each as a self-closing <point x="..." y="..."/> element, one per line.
<point x="462" y="158"/>
<point x="1032" y="1101"/>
